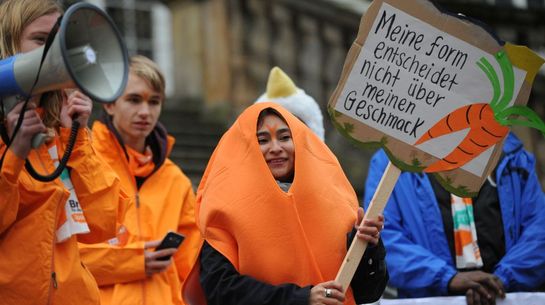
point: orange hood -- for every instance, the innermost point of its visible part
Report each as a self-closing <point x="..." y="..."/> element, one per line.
<point x="158" y="140"/>
<point x="277" y="237"/>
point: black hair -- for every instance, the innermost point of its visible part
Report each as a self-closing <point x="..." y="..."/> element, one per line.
<point x="269" y="111"/>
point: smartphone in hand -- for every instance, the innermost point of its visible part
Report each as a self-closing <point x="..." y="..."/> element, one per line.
<point x="171" y="240"/>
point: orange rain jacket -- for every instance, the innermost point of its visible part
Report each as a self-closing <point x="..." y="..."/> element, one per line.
<point x="166" y="203"/>
<point x="34" y="268"/>
<point x="277" y="237"/>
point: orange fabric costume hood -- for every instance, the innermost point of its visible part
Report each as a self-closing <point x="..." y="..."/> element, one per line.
<point x="299" y="236"/>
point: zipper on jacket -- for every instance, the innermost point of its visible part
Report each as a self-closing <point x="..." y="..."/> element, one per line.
<point x="139" y="232"/>
<point x="54" y="278"/>
<point x="137" y="205"/>
<point x="54" y="282"/>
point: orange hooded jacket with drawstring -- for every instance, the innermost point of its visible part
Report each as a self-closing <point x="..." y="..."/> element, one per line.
<point x="299" y="236"/>
<point x="166" y="203"/>
<point x="34" y="268"/>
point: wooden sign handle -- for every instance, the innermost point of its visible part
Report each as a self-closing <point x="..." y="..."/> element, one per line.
<point x="358" y="246"/>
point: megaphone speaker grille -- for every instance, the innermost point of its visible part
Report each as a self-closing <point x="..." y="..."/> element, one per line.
<point x="94" y="53"/>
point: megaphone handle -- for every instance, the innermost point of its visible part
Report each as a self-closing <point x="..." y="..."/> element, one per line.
<point x="62" y="162"/>
<point x="38" y="139"/>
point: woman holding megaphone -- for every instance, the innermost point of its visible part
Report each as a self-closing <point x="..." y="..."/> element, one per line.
<point x="42" y="222"/>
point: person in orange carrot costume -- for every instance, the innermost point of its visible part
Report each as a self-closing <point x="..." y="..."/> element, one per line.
<point x="136" y="145"/>
<point x="277" y="213"/>
<point x="39" y="257"/>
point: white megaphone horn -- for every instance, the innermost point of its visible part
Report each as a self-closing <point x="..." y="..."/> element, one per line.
<point x="87" y="53"/>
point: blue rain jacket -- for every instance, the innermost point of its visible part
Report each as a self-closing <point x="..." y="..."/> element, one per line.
<point x="418" y="256"/>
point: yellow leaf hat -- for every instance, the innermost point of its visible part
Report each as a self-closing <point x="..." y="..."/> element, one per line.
<point x="282" y="90"/>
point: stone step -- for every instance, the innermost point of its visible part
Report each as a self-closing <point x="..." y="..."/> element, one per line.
<point x="181" y="114"/>
<point x="191" y="166"/>
<point x="196" y="137"/>
<point x="193" y="159"/>
<point x="193" y="169"/>
<point x="182" y="154"/>
<point x="195" y="140"/>
<point x="205" y="129"/>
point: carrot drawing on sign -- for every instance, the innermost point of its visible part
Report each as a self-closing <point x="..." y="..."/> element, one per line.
<point x="487" y="123"/>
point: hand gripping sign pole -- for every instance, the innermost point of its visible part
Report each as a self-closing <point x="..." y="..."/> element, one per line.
<point x="358" y="246"/>
<point x="437" y="92"/>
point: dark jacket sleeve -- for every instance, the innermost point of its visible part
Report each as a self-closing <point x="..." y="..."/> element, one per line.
<point x="371" y="277"/>
<point x="222" y="284"/>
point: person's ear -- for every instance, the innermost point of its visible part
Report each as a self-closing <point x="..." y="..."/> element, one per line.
<point x="110" y="108"/>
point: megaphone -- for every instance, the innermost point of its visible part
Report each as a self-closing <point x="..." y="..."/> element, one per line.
<point x="87" y="52"/>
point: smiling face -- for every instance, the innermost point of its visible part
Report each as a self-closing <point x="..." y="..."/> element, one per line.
<point x="276" y="144"/>
<point x="136" y="112"/>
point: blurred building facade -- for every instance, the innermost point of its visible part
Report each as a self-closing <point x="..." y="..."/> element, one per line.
<point x="217" y="53"/>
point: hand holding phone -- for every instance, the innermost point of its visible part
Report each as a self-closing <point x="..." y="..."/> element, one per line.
<point x="171" y="240"/>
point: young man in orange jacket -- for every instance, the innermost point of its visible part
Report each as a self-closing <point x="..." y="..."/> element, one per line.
<point x="136" y="145"/>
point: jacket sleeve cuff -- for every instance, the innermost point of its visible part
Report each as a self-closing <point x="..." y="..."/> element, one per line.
<point x="504" y="275"/>
<point x="445" y="279"/>
<point x="83" y="136"/>
<point x="82" y="145"/>
<point x="114" y="265"/>
<point x="302" y="296"/>
<point x="12" y="167"/>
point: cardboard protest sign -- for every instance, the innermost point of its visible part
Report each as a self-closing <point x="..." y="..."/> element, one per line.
<point x="436" y="90"/>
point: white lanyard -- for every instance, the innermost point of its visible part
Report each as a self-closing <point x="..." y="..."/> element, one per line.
<point x="72" y="220"/>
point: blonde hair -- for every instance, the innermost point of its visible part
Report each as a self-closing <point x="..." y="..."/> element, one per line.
<point x="148" y="70"/>
<point x="15" y="16"/>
